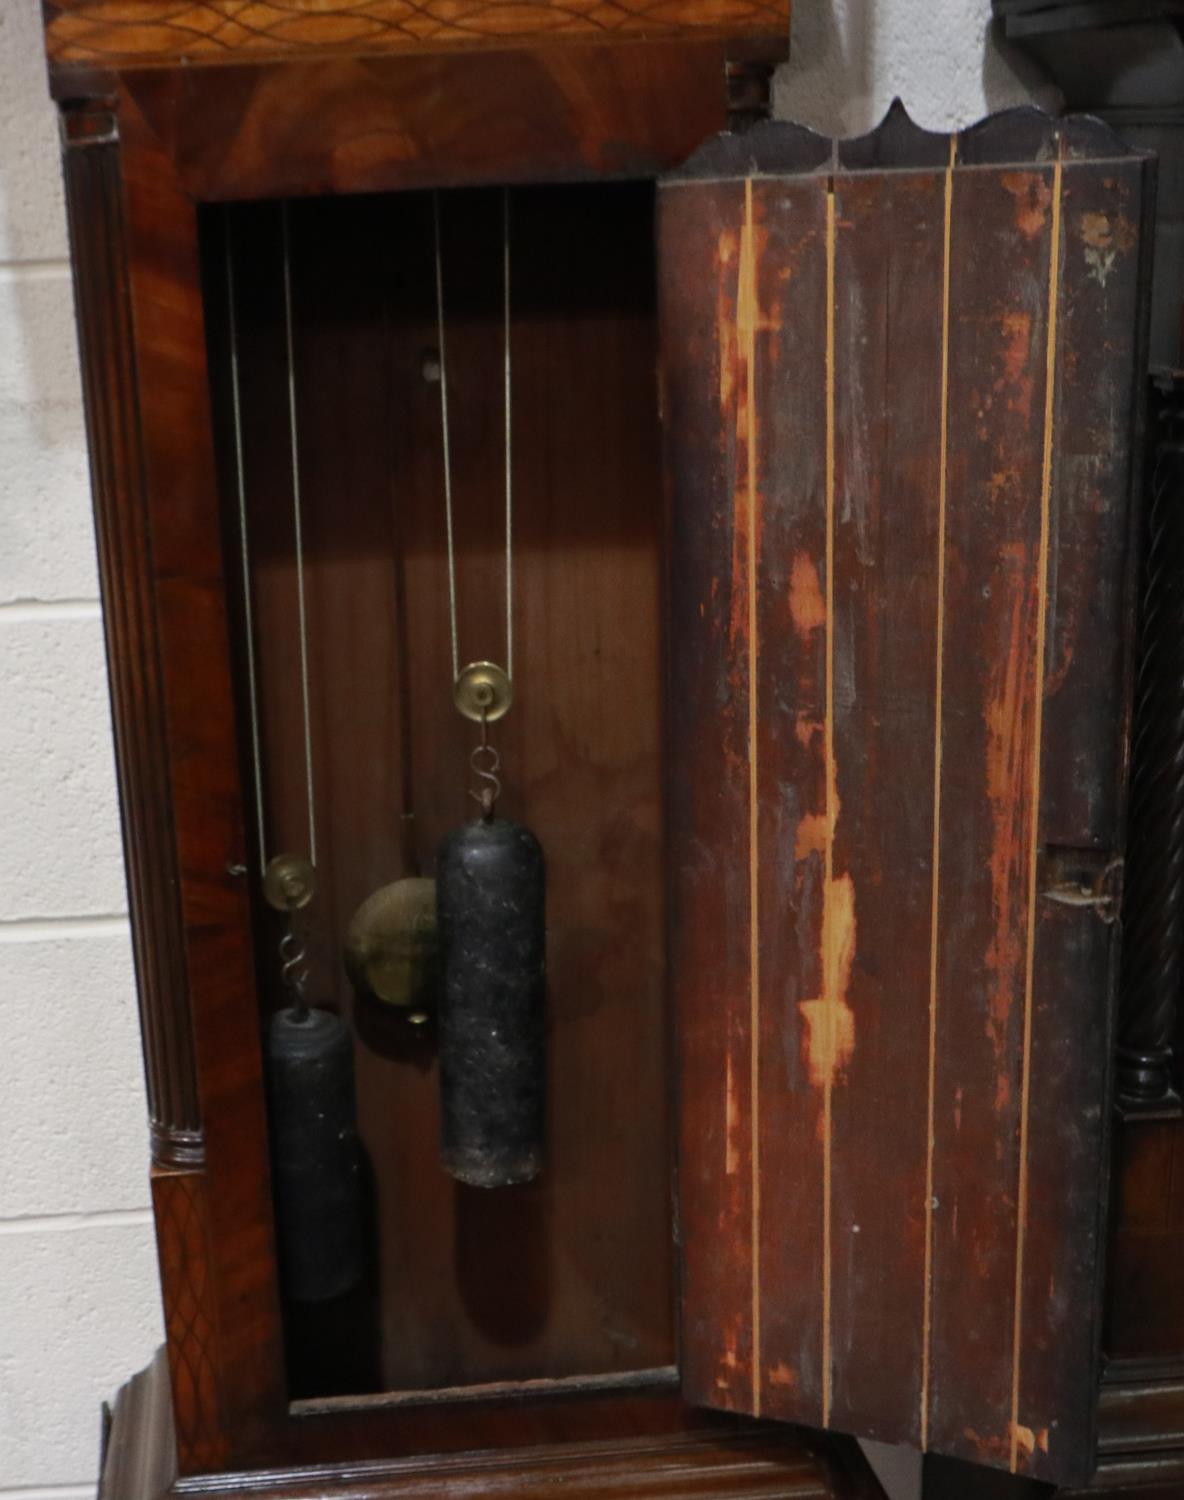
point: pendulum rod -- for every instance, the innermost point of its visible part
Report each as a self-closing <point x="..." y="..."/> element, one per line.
<point x="492" y="708"/>
<point x="402" y="695"/>
<point x="390" y="948"/>
<point x="440" y="339"/>
<point x="244" y="543"/>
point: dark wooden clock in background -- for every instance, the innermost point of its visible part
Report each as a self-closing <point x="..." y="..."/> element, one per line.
<point x="821" y="716"/>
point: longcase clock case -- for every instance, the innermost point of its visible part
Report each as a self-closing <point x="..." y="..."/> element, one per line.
<point x="822" y="465"/>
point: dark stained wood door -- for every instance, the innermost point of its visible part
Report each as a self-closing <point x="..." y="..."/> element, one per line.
<point x="899" y="386"/>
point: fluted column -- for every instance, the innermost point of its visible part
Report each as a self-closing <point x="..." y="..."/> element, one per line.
<point x="94" y="200"/>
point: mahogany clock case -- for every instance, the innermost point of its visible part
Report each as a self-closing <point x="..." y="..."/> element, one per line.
<point x="203" y="194"/>
<point x="547" y="1312"/>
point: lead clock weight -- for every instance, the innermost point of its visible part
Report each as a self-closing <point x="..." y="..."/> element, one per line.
<point x="316" y="1157"/>
<point x="490" y="888"/>
<point x="491" y="906"/>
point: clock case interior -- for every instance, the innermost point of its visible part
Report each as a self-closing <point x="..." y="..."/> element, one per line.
<point x="569" y="1278"/>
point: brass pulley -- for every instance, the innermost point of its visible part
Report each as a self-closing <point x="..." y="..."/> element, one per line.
<point x="289" y="882"/>
<point x="483" y="692"/>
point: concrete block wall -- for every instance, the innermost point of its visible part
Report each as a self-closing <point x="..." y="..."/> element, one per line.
<point x="79" y="1300"/>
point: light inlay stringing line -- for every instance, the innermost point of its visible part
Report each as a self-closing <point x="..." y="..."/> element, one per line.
<point x="1050" y="372"/>
<point x="507" y="370"/>
<point x="298" y="534"/>
<point x="244" y="546"/>
<point x="935" y="856"/>
<point x="747" y="317"/>
<point x="831" y="810"/>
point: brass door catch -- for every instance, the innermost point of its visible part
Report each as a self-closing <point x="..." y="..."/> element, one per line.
<point x="1088" y="878"/>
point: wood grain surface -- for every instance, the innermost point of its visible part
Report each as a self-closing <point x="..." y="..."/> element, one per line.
<point x="99" y="254"/>
<point x="572" y="1275"/>
<point x="540" y="113"/>
<point x="192" y="646"/>
<point x="576" y="1280"/>
<point x="900" y="419"/>
<point x="724" y="1459"/>
<point x="1146" y="1305"/>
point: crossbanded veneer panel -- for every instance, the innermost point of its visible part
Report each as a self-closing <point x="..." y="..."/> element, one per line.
<point x="161" y="32"/>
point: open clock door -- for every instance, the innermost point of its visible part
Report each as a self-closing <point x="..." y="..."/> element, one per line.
<point x="900" y="376"/>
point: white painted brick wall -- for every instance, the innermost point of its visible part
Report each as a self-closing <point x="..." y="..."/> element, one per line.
<point x="79" y="1301"/>
<point x="851" y="58"/>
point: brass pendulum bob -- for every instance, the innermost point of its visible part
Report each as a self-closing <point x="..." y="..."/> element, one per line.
<point x="391" y="951"/>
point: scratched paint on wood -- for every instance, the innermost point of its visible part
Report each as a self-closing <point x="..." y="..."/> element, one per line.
<point x="889" y="326"/>
<point x="711" y="801"/>
<point x="994" y="589"/>
<point x="791" y="813"/>
<point x="899" y="414"/>
<point x="1068" y="1142"/>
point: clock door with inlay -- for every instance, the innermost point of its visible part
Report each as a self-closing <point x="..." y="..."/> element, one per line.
<point x="899" y="385"/>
